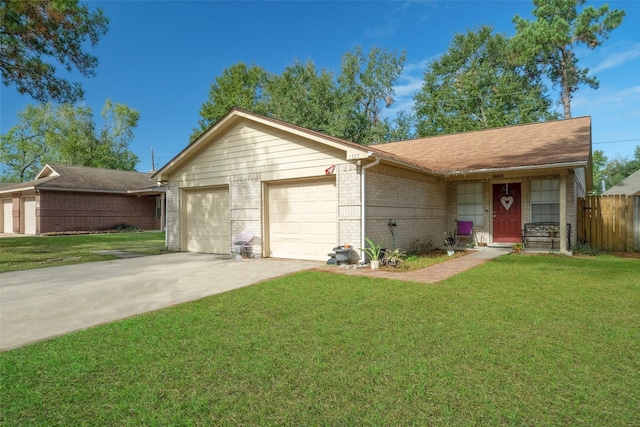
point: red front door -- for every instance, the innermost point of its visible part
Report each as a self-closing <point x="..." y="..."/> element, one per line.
<point x="507" y="213"/>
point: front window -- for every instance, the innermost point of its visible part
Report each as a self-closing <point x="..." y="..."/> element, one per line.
<point x="545" y="200"/>
<point x="470" y="206"/>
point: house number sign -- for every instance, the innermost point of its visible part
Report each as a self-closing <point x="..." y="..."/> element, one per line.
<point x="506" y="201"/>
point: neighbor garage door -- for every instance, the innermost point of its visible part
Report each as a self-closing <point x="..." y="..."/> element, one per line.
<point x="29" y="215"/>
<point x="303" y="219"/>
<point x="7" y="216"/>
<point x="207" y="216"/>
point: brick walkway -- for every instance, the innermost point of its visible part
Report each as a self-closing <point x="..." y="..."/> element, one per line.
<point x="435" y="273"/>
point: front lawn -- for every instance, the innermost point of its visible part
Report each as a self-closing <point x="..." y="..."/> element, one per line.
<point x="520" y="340"/>
<point x="24" y="253"/>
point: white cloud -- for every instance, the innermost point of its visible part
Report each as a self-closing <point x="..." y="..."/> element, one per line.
<point x="615" y="59"/>
<point x="625" y="98"/>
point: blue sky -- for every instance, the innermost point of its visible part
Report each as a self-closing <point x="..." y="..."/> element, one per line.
<point x="160" y="57"/>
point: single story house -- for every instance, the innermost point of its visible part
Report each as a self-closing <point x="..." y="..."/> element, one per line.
<point x="302" y="193"/>
<point x="76" y="198"/>
<point x="630" y="186"/>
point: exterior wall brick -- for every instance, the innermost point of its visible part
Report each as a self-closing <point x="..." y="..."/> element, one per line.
<point x="349" y="205"/>
<point x="173" y="216"/>
<point x="75" y="211"/>
<point x="245" y="205"/>
<point x="16" y="212"/>
<point x="417" y="203"/>
<point x="484" y="232"/>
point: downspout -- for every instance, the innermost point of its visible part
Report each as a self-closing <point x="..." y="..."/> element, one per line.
<point x="363" y="209"/>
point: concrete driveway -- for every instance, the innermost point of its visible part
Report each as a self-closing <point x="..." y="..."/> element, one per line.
<point x="43" y="303"/>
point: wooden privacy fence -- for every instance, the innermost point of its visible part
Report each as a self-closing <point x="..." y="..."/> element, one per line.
<point x="610" y="223"/>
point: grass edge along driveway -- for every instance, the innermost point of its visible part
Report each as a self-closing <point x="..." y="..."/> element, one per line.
<point x="28" y="252"/>
<point x="533" y="340"/>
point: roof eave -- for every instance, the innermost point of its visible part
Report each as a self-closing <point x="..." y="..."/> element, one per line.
<point x="352" y="151"/>
<point x="570" y="165"/>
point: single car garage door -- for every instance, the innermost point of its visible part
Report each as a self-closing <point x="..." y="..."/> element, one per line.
<point x="29" y="215"/>
<point x="303" y="219"/>
<point x="7" y="216"/>
<point x="208" y="226"/>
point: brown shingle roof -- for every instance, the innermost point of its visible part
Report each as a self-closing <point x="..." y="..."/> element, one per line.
<point x="629" y="186"/>
<point x="80" y="178"/>
<point x="537" y="144"/>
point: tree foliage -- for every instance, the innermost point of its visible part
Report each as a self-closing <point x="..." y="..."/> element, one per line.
<point x="348" y="106"/>
<point x="551" y="41"/>
<point x="365" y="86"/>
<point x="239" y="86"/>
<point x="475" y="85"/>
<point x="66" y="134"/>
<point x="304" y="96"/>
<point x="613" y="171"/>
<point x="37" y="35"/>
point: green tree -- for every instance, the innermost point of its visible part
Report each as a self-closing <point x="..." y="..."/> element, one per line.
<point x="239" y="86"/>
<point x="65" y="134"/>
<point x="365" y="86"/>
<point x="551" y="41"/>
<point x="303" y="96"/>
<point x="613" y="171"/>
<point x="475" y="85"/>
<point x="349" y="107"/>
<point x="112" y="148"/>
<point x="35" y="33"/>
<point x="24" y="148"/>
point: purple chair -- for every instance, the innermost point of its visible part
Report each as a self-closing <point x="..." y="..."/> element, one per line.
<point x="465" y="229"/>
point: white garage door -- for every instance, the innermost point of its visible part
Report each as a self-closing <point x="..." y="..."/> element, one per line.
<point x="208" y="225"/>
<point x="29" y="215"/>
<point x="303" y="219"/>
<point x="7" y="216"/>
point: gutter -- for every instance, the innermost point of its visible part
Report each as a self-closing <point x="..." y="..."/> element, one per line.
<point x="512" y="169"/>
<point x="363" y="210"/>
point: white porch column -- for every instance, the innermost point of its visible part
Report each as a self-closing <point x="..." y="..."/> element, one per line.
<point x="563" y="213"/>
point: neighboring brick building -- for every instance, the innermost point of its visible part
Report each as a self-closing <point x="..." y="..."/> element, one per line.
<point x="75" y="198"/>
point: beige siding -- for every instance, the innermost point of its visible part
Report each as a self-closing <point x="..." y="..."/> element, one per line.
<point x="250" y="148"/>
<point x="581" y="183"/>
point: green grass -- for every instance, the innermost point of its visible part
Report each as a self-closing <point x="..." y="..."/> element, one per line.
<point x="24" y="253"/>
<point x="424" y="260"/>
<point x="521" y="340"/>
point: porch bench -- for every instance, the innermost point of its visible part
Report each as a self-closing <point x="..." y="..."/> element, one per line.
<point x="542" y="232"/>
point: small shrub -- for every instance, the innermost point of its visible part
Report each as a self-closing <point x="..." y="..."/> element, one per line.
<point x="583" y="248"/>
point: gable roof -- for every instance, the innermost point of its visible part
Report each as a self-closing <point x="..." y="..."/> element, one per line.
<point x="353" y="150"/>
<point x="561" y="142"/>
<point x="629" y="186"/>
<point x="82" y="178"/>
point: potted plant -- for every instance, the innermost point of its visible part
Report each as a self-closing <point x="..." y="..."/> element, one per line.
<point x="393" y="259"/>
<point x="518" y="247"/>
<point x="450" y="242"/>
<point x="373" y="251"/>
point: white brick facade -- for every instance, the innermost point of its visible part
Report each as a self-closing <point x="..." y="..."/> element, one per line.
<point x="245" y="206"/>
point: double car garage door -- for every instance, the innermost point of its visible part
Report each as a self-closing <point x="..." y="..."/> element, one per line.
<point x="301" y="220"/>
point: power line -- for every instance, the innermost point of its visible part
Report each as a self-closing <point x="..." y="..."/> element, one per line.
<point x="620" y="140"/>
